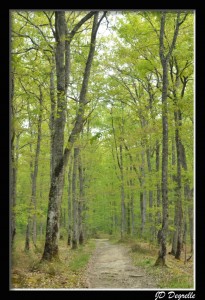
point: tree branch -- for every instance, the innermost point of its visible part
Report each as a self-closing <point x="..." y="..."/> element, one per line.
<point x="37" y="27"/>
<point x="79" y="24"/>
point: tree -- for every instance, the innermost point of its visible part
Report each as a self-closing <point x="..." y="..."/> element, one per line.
<point x="119" y="156"/>
<point x="179" y="81"/>
<point x="81" y="204"/>
<point x="69" y="203"/>
<point x="164" y="58"/>
<point x="102" y="98"/>
<point x="55" y="194"/>
<point x="75" y="231"/>
<point x="34" y="173"/>
<point x="14" y="166"/>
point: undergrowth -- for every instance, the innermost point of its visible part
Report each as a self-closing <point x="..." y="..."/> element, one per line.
<point x="176" y="275"/>
<point x="28" y="271"/>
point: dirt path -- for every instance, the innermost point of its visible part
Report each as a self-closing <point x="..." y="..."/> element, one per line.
<point x="111" y="268"/>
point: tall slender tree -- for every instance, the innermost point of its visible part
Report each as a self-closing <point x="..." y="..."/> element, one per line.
<point x="55" y="194"/>
<point x="75" y="204"/>
<point x="165" y="58"/>
<point x="32" y="225"/>
<point x="13" y="166"/>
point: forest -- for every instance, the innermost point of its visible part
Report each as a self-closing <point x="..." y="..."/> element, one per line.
<point x="102" y="148"/>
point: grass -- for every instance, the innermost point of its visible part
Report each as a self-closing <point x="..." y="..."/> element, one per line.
<point x="28" y="272"/>
<point x="176" y="275"/>
<point x="69" y="272"/>
<point x="79" y="261"/>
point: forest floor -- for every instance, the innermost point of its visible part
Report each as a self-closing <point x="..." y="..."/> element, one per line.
<point x="112" y="268"/>
<point x="130" y="264"/>
<point x="28" y="272"/>
<point x="103" y="263"/>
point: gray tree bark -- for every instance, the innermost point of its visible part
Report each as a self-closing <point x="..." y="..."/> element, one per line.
<point x="150" y="197"/>
<point x="123" y="214"/>
<point x="180" y="225"/>
<point x="13" y="166"/>
<point x="132" y="168"/>
<point x="128" y="217"/>
<point x="75" y="220"/>
<point x="189" y="197"/>
<point x="164" y="58"/>
<point x="119" y="156"/>
<point x="52" y="115"/>
<point x="175" y="235"/>
<point x="81" y="203"/>
<point x="69" y="203"/>
<point x="188" y="192"/>
<point x="36" y="161"/>
<point x="29" y="221"/>
<point x="143" y="194"/>
<point x="158" y="185"/>
<point x="32" y="225"/>
<point x="132" y="206"/>
<point x="179" y="192"/>
<point x="56" y="188"/>
<point x="57" y="178"/>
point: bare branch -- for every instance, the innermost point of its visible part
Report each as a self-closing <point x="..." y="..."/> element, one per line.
<point x="50" y="22"/>
<point x="37" y="27"/>
<point x="161" y="38"/>
<point x="154" y="28"/>
<point x="183" y="19"/>
<point x="79" y="24"/>
<point x="25" y="36"/>
<point x="24" y="51"/>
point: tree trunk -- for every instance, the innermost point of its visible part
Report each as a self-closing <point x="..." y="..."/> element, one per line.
<point x="52" y="116"/>
<point x="75" y="231"/>
<point x="189" y="195"/>
<point x="35" y="173"/>
<point x="178" y="189"/>
<point x="69" y="203"/>
<point x="81" y="202"/>
<point x="158" y="215"/>
<point x="132" y="206"/>
<point x="13" y="190"/>
<point x="27" y="241"/>
<point x="128" y="218"/>
<point x="13" y="166"/>
<point x="164" y="62"/>
<point x="31" y="225"/>
<point x="114" y="217"/>
<point x="41" y="231"/>
<point x="123" y="215"/>
<point x="181" y="159"/>
<point x="56" y="188"/>
<point x="143" y="211"/>
<point x="119" y="156"/>
<point x="150" y="197"/>
<point x="175" y="234"/>
<point x="143" y="195"/>
<point x="29" y="221"/>
<point x="163" y="248"/>
<point x="173" y="153"/>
